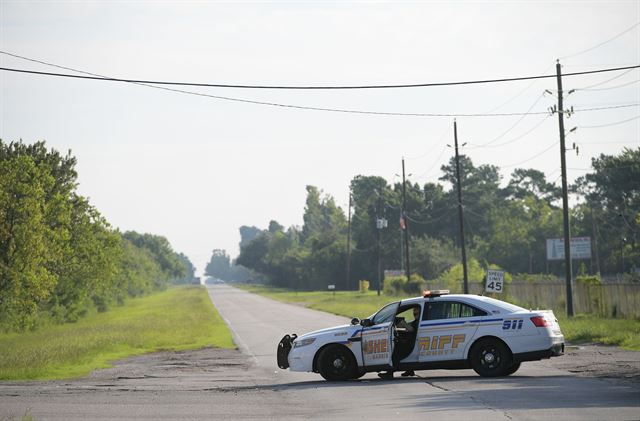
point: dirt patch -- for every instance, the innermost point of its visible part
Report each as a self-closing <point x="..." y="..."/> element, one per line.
<point x="591" y="360"/>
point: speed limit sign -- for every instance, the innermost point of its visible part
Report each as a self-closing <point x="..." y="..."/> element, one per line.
<point x="495" y="281"/>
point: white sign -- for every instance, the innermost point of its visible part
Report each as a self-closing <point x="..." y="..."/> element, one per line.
<point x="331" y="286"/>
<point x="390" y="273"/>
<point x="382" y="223"/>
<point x="495" y="281"/>
<point x="580" y="248"/>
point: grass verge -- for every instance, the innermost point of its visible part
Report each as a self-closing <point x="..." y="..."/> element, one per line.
<point x="177" y="319"/>
<point x="579" y="329"/>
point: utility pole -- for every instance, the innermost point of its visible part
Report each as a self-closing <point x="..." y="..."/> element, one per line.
<point x="348" y="284"/>
<point x="379" y="225"/>
<point x="595" y="241"/>
<point x="406" y="223"/>
<point x="461" y="212"/>
<point x="565" y="200"/>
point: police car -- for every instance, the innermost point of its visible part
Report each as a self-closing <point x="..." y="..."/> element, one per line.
<point x="452" y="331"/>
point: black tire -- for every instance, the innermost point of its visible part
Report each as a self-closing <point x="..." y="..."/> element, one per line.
<point x="490" y="358"/>
<point x="514" y="367"/>
<point x="336" y="363"/>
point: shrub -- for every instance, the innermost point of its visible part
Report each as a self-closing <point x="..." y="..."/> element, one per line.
<point x="588" y="279"/>
<point x="363" y="286"/>
<point x="398" y="285"/>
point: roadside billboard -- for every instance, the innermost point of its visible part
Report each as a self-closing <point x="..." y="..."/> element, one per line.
<point x="580" y="248"/>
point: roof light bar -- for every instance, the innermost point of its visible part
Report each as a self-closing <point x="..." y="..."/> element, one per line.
<point x="434" y="293"/>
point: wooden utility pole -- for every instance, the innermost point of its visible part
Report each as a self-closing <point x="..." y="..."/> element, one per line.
<point x="565" y="200"/>
<point x="348" y="284"/>
<point x="461" y="212"/>
<point x="406" y="223"/>
<point x="378" y="229"/>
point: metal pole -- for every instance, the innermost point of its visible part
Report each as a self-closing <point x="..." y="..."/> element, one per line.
<point x="461" y="212"/>
<point x="406" y="223"/>
<point x="565" y="200"/>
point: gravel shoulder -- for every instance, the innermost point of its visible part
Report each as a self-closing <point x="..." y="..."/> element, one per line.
<point x="600" y="361"/>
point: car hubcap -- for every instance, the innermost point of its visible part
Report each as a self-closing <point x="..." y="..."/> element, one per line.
<point x="489" y="358"/>
<point x="338" y="363"/>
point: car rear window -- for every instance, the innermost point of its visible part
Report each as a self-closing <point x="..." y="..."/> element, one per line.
<point x="502" y="304"/>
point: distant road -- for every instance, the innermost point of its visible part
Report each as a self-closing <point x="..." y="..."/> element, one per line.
<point x="227" y="384"/>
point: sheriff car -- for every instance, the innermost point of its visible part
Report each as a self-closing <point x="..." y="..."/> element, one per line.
<point x="451" y="331"/>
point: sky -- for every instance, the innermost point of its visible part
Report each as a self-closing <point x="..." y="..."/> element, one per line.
<point x="195" y="168"/>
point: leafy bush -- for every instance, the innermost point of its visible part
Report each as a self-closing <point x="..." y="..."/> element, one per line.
<point x="589" y="280"/>
<point x="398" y="285"/>
<point x="363" y="286"/>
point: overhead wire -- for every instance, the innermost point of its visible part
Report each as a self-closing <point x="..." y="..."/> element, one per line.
<point x="93" y="76"/>
<point x="153" y="84"/>
<point x="602" y="43"/>
<point x="530" y="158"/>
<point x="610" y="124"/>
<point x="609" y="88"/>
<point x="618" y="76"/>
<point x="513" y="125"/>
<point x="474" y="146"/>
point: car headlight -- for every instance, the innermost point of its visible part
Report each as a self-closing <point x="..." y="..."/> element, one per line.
<point x="304" y="342"/>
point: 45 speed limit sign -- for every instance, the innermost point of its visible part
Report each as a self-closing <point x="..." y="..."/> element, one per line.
<point x="495" y="281"/>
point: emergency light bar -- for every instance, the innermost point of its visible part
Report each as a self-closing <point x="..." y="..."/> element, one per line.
<point x="434" y="293"/>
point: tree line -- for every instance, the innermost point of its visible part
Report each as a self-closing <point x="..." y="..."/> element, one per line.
<point x="59" y="258"/>
<point x="506" y="227"/>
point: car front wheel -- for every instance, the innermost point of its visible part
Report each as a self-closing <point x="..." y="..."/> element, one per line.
<point x="336" y="363"/>
<point x="490" y="358"/>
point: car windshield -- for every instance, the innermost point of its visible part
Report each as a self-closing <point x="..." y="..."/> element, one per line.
<point x="385" y="314"/>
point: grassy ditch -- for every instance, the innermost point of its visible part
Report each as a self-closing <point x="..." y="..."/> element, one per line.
<point x="580" y="329"/>
<point x="176" y="319"/>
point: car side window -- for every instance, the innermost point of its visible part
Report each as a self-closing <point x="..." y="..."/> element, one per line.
<point x="385" y="314"/>
<point x="450" y="310"/>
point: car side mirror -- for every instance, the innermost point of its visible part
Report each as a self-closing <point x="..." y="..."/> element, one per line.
<point x="366" y="322"/>
<point x="355" y="321"/>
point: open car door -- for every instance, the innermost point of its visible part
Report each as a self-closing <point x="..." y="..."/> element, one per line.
<point x="377" y="338"/>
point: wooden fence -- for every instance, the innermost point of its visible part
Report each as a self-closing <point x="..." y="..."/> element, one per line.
<point x="620" y="300"/>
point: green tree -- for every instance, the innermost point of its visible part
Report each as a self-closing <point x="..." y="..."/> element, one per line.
<point x="25" y="279"/>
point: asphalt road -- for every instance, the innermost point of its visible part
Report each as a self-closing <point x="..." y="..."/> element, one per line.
<point x="247" y="384"/>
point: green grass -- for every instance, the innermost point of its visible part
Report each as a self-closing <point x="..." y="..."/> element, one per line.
<point x="579" y="329"/>
<point x="177" y="319"/>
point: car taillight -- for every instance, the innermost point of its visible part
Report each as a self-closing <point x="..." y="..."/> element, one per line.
<point x="540" y="321"/>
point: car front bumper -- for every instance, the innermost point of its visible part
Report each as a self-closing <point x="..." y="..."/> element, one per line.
<point x="284" y="348"/>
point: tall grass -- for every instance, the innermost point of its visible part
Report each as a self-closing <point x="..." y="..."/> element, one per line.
<point x="579" y="329"/>
<point x="177" y="319"/>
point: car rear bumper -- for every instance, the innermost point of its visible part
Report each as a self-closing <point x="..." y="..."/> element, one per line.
<point x="554" y="351"/>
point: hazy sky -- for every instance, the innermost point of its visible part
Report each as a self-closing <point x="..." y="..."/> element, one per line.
<point x="194" y="169"/>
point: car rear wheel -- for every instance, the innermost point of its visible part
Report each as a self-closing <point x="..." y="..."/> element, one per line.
<point x="336" y="363"/>
<point x="491" y="358"/>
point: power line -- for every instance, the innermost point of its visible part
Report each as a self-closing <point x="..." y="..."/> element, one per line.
<point x="486" y="145"/>
<point x="610" y="124"/>
<point x="602" y="43"/>
<point x="610" y="87"/>
<point x="519" y="93"/>
<point x="226" y="85"/>
<point x="514" y="124"/>
<point x="531" y="158"/>
<point x="604" y="81"/>
<point x="310" y="108"/>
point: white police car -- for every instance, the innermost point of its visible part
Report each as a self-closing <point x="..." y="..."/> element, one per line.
<point x="451" y="332"/>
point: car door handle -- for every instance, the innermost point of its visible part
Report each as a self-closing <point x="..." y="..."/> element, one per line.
<point x="356" y="339"/>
